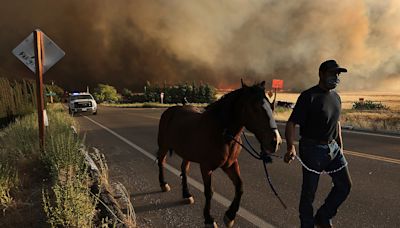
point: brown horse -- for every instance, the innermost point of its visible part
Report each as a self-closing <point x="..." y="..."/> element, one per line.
<point x="207" y="138"/>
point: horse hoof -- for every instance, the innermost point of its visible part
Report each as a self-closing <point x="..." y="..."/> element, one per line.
<point x="228" y="222"/>
<point x="189" y="200"/>
<point x="165" y="188"/>
<point x="211" y="225"/>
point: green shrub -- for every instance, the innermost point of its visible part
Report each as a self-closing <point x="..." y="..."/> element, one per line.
<point x="70" y="203"/>
<point x="106" y="93"/>
<point x="369" y="105"/>
<point x="61" y="153"/>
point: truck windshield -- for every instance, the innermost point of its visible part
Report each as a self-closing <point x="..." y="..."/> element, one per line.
<point x="76" y="97"/>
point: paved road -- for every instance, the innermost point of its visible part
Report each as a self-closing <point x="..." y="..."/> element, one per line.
<point x="128" y="139"/>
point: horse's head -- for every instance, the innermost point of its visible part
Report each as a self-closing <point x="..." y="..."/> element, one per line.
<point x="257" y="117"/>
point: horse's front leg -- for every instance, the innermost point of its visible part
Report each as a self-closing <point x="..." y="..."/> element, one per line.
<point x="233" y="173"/>
<point x="185" y="189"/>
<point x="208" y="192"/>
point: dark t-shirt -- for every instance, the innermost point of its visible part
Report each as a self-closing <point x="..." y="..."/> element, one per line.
<point x="317" y="112"/>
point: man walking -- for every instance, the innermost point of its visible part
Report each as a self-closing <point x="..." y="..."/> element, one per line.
<point x="317" y="111"/>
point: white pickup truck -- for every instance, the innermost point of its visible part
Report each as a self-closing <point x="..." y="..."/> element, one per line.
<point x="82" y="102"/>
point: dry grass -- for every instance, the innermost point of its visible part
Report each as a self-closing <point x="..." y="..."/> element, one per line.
<point x="373" y="120"/>
<point x="392" y="100"/>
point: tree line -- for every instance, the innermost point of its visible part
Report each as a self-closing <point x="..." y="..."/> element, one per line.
<point x="169" y="94"/>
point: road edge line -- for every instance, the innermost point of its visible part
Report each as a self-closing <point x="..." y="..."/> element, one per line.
<point x="250" y="217"/>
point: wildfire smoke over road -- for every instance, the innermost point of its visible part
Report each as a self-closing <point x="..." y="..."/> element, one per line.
<point x="127" y="42"/>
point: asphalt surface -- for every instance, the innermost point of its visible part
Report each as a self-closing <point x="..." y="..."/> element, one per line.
<point x="128" y="138"/>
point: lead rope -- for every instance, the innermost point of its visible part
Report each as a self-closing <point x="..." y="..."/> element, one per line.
<point x="317" y="172"/>
<point x="266" y="158"/>
<point x="299" y="159"/>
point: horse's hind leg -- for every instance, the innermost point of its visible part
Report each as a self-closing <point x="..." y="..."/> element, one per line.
<point x="185" y="190"/>
<point x="161" y="157"/>
<point x="208" y="193"/>
<point x="233" y="173"/>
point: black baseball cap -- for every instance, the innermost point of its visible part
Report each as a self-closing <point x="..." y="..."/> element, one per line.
<point x="331" y="65"/>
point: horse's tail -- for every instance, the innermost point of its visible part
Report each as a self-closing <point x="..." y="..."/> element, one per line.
<point x="163" y="128"/>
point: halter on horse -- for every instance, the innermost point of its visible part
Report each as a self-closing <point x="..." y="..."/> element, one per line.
<point x="209" y="138"/>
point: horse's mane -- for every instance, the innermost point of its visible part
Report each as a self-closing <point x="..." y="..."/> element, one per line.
<point x="224" y="101"/>
<point x="222" y="109"/>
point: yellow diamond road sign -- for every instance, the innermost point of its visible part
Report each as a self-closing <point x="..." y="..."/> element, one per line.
<point x="25" y="52"/>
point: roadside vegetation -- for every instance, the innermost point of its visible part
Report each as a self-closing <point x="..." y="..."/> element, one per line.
<point x="67" y="202"/>
<point x="56" y="187"/>
<point x="41" y="189"/>
<point x="377" y="120"/>
<point x="53" y="187"/>
<point x="17" y="98"/>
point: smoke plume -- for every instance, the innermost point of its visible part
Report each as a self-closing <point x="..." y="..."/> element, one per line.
<point x="128" y="42"/>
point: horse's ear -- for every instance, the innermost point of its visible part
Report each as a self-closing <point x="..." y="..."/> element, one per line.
<point x="262" y="84"/>
<point x="243" y="84"/>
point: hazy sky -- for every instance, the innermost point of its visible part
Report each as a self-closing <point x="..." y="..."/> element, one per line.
<point x="126" y="42"/>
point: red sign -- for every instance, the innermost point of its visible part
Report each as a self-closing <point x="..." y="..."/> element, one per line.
<point x="277" y="84"/>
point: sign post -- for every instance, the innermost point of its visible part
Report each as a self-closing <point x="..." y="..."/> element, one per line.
<point x="39" y="53"/>
<point x="38" y="46"/>
<point x="162" y="97"/>
<point x="276" y="84"/>
<point x="51" y="95"/>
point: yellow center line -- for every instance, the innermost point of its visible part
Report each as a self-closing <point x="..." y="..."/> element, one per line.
<point x="373" y="157"/>
<point x="353" y="153"/>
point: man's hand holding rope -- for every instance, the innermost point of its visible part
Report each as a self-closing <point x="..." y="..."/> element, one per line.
<point x="290" y="154"/>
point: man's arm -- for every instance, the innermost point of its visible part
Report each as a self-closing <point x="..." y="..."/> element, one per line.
<point x="290" y="134"/>
<point x="339" y="139"/>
